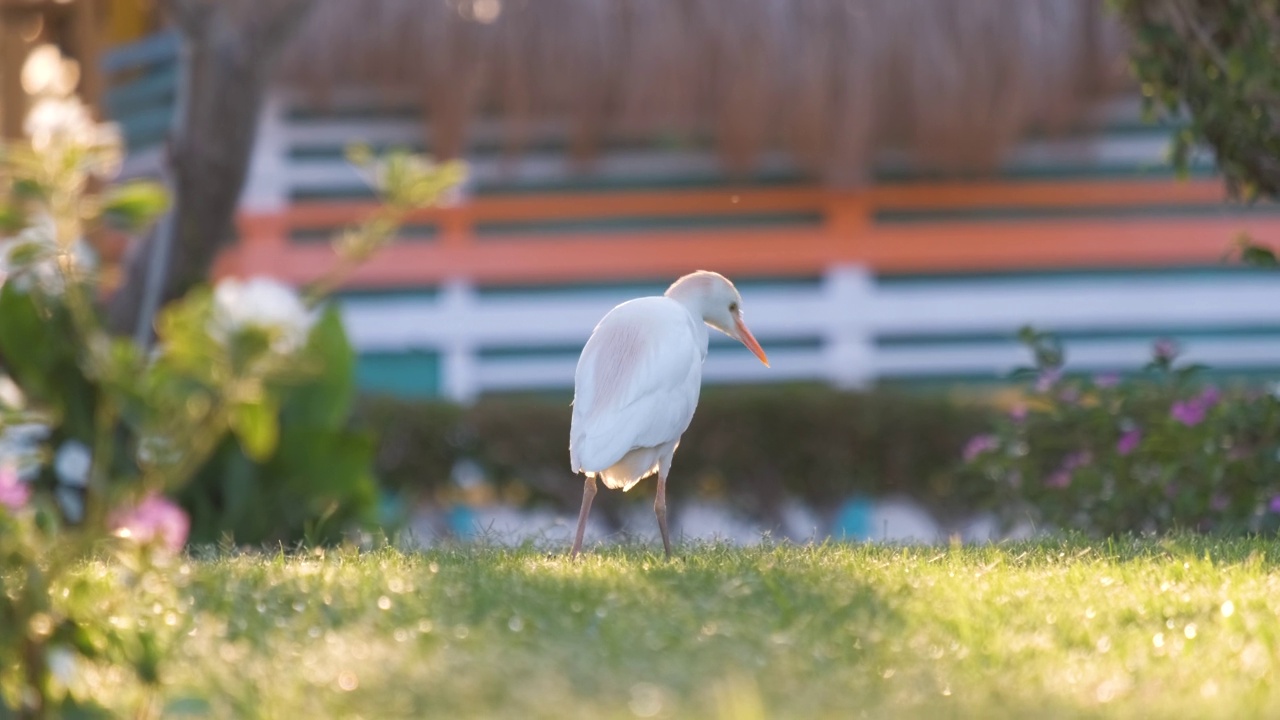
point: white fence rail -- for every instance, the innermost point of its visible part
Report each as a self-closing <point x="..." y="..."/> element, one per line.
<point x="847" y="315"/>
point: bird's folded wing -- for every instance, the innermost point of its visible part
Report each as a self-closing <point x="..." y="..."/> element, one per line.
<point x="636" y="385"/>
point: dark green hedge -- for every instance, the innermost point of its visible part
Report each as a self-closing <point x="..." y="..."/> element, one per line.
<point x="750" y="446"/>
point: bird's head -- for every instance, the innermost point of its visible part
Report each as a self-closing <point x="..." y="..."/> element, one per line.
<point x="711" y="296"/>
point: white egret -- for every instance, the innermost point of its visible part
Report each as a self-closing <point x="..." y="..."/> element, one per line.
<point x="637" y="385"/>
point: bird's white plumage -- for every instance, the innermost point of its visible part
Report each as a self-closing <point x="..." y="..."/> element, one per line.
<point x="636" y="389"/>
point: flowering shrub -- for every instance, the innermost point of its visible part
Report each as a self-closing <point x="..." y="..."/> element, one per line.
<point x="1157" y="451"/>
<point x="240" y="403"/>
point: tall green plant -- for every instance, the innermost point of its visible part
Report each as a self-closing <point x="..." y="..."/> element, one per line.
<point x="99" y="432"/>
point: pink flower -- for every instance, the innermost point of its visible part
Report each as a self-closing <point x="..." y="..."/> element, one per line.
<point x="1210" y="396"/>
<point x="1192" y="412"/>
<point x="1128" y="441"/>
<point x="155" y="517"/>
<point x="1189" y="412"/>
<point x="1018" y="413"/>
<point x="1274" y="505"/>
<point x="979" y="444"/>
<point x="14" y="493"/>
<point x="1164" y="349"/>
<point x="1061" y="478"/>
<point x="1107" y="380"/>
<point x="1219" y="502"/>
<point x="1048" y="378"/>
<point x="1077" y="459"/>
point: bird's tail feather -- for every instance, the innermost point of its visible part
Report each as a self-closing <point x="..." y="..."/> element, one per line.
<point x="630" y="470"/>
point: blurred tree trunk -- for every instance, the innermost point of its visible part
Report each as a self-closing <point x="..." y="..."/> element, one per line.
<point x="229" y="51"/>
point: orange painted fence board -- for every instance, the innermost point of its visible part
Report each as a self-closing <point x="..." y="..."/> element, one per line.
<point x="560" y="206"/>
<point x="847" y="235"/>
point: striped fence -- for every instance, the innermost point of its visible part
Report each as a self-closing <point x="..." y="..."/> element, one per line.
<point x="910" y="277"/>
<point x="847" y="327"/>
<point x="142" y="80"/>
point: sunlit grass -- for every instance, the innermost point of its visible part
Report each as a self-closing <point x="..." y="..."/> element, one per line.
<point x="1175" y="628"/>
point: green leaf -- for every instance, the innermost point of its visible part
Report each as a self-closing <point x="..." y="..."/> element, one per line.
<point x="1255" y="255"/>
<point x="11" y="219"/>
<point x="188" y="706"/>
<point x="323" y="462"/>
<point x="326" y="399"/>
<point x="257" y="425"/>
<point x="27" y="189"/>
<point x="134" y="205"/>
<point x="72" y="709"/>
<point x="147" y="661"/>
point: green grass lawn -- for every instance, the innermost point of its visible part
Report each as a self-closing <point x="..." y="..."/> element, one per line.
<point x="1176" y="628"/>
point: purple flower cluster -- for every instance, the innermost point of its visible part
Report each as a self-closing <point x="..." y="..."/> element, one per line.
<point x="979" y="444"/>
<point x="1128" y="441"/>
<point x="1107" y="380"/>
<point x="1048" y="378"/>
<point x="1164" y="350"/>
<point x="1191" y="412"/>
<point x="1061" y="478"/>
<point x="1018" y="413"/>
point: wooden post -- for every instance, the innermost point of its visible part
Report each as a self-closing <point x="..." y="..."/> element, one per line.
<point x="849" y="345"/>
<point x="13" y="53"/>
<point x="266" y="186"/>
<point x="459" y="381"/>
<point x="86" y="38"/>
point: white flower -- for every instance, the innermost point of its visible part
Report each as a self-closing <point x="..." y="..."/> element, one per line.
<point x="32" y="255"/>
<point x="72" y="463"/>
<point x="20" y="447"/>
<point x="56" y="124"/>
<point x="47" y="73"/>
<point x="265" y="304"/>
<point x="10" y="394"/>
<point x="62" y="664"/>
<point x="59" y="119"/>
<point x="71" y="500"/>
<point x="38" y="266"/>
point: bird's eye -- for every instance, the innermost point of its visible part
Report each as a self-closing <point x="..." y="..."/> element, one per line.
<point x="733" y="307"/>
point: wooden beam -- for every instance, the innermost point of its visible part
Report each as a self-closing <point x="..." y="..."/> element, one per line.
<point x="13" y="53"/>
<point x="731" y="201"/>
<point x="933" y="247"/>
<point x="86" y="31"/>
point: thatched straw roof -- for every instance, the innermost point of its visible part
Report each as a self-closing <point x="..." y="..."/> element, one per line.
<point x="953" y="81"/>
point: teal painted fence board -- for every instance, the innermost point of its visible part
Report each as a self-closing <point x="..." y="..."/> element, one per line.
<point x="407" y="374"/>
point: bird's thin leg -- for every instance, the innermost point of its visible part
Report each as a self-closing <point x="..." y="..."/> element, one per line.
<point x="660" y="509"/>
<point x="588" y="493"/>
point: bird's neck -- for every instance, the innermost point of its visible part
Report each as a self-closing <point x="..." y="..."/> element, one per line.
<point x="693" y="306"/>
<point x="690" y="300"/>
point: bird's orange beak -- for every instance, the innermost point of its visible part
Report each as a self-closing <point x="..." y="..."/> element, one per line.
<point x="749" y="340"/>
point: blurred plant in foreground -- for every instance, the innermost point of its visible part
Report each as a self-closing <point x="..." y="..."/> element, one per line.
<point x="99" y="432"/>
<point x="1158" y="451"/>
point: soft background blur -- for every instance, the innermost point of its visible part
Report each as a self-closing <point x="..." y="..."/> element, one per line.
<point x="896" y="188"/>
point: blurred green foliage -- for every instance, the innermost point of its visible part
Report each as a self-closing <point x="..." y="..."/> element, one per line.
<point x="1213" y="63"/>
<point x="309" y="474"/>
<point x="752" y="447"/>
